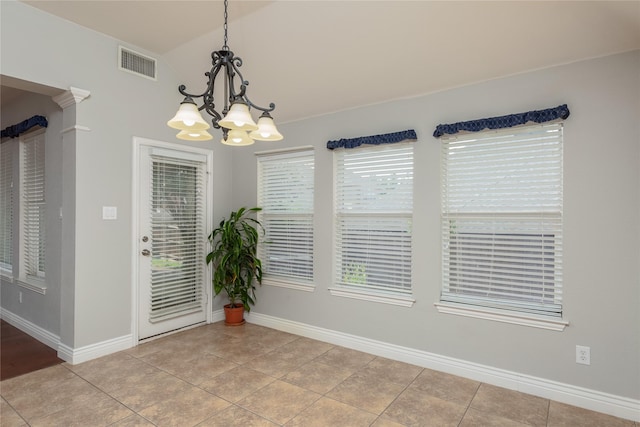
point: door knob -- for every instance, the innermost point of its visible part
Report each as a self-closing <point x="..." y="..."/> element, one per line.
<point x="146" y="252"/>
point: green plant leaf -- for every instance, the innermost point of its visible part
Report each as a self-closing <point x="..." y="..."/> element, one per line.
<point x="233" y="256"/>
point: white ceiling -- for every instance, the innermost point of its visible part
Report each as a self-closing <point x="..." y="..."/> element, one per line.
<point x="158" y="26"/>
<point x="314" y="57"/>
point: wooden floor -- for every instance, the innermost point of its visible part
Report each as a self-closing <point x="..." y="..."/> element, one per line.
<point x="21" y="353"/>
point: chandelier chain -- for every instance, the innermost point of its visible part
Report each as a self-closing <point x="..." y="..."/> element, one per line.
<point x="225" y="47"/>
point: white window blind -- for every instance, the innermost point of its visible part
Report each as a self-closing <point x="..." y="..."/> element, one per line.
<point x="178" y="237"/>
<point x="285" y="194"/>
<point x="502" y="219"/>
<point x="33" y="205"/>
<point x="6" y="207"/>
<point x="373" y="218"/>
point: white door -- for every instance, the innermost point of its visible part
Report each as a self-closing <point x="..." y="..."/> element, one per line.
<point x="172" y="239"/>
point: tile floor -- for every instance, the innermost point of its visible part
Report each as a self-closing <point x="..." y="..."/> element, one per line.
<point x="254" y="376"/>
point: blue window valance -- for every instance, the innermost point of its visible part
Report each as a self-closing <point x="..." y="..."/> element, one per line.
<point x="511" y="120"/>
<point x="22" y="127"/>
<point x="387" y="138"/>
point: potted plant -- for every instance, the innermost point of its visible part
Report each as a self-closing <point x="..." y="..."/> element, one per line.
<point x="236" y="267"/>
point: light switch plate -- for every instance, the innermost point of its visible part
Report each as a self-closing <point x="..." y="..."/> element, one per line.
<point x="109" y="212"/>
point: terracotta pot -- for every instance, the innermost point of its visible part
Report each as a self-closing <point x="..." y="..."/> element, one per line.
<point x="233" y="316"/>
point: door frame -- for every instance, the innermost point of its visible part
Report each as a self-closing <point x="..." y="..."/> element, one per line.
<point x="138" y="143"/>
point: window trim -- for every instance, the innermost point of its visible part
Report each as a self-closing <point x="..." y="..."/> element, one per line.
<point x="35" y="285"/>
<point x="385" y="298"/>
<point x="288" y="283"/>
<point x="501" y="315"/>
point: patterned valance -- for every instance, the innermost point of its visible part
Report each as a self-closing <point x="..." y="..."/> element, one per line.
<point x="538" y="116"/>
<point x="22" y="127"/>
<point x="387" y="138"/>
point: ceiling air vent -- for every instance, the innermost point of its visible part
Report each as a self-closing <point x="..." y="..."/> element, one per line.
<point x="136" y="63"/>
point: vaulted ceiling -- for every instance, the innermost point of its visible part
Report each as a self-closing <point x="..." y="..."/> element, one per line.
<point x="315" y="57"/>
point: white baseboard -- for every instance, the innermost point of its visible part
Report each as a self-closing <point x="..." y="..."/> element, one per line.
<point x="93" y="351"/>
<point x="217" y="315"/>
<point x="80" y="354"/>
<point x="594" y="400"/>
<point x="45" y="337"/>
<point x="66" y="353"/>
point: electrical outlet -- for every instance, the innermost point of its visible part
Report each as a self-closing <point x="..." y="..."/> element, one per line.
<point x="583" y="355"/>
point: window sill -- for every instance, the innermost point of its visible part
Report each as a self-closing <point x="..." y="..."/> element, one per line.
<point x="289" y="284"/>
<point x="403" y="301"/>
<point x="6" y="277"/>
<point x="550" y="323"/>
<point x="33" y="285"/>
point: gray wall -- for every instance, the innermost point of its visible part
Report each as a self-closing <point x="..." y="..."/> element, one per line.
<point x="40" y="48"/>
<point x="601" y="213"/>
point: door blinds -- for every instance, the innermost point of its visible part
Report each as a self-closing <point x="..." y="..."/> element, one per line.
<point x="178" y="238"/>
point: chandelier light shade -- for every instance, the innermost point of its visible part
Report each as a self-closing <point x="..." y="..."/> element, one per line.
<point x="238" y="118"/>
<point x="188" y="117"/>
<point x="266" y="129"/>
<point x="194" y="135"/>
<point x="235" y="121"/>
<point x="237" y="138"/>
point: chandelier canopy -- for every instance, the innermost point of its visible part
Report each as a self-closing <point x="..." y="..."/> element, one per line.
<point x="238" y="127"/>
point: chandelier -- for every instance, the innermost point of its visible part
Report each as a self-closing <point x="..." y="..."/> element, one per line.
<point x="238" y="127"/>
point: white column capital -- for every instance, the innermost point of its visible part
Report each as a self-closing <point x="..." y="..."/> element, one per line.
<point x="71" y="97"/>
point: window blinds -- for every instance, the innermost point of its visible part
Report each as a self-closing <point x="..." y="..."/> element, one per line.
<point x="285" y="194"/>
<point x="33" y="204"/>
<point x="6" y="207"/>
<point x="502" y="219"/>
<point x="373" y="218"/>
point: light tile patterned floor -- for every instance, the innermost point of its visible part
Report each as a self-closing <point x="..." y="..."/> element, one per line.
<point x="254" y="376"/>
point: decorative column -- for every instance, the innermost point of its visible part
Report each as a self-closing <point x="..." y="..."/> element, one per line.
<point x="69" y="101"/>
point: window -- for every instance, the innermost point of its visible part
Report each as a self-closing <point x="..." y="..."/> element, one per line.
<point x="6" y="208"/>
<point x="33" y="205"/>
<point x="502" y="220"/>
<point x="373" y="222"/>
<point x="285" y="194"/>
